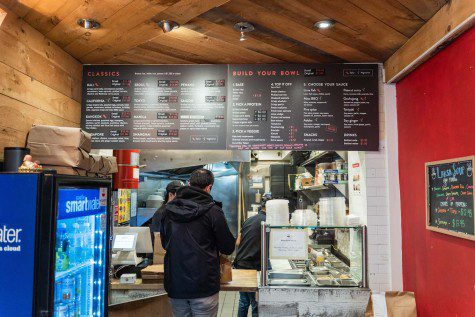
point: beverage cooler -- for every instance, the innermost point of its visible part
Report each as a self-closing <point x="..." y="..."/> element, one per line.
<point x="54" y="245"/>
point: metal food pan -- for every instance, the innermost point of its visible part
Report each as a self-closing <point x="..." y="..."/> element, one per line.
<point x="293" y="282"/>
<point x="326" y="282"/>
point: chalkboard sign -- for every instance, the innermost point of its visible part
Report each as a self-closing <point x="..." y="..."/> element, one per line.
<point x="450" y="200"/>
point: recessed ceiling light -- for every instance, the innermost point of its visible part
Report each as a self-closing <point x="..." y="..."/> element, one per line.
<point x="168" y="26"/>
<point x="89" y="24"/>
<point x="243" y="27"/>
<point x="324" y="24"/>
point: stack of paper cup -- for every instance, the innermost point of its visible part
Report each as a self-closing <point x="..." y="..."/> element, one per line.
<point x="277" y="212"/>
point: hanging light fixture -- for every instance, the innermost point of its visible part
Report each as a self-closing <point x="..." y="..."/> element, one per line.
<point x="243" y="27"/>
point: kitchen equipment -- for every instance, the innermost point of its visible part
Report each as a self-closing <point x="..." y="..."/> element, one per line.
<point x="154" y="201"/>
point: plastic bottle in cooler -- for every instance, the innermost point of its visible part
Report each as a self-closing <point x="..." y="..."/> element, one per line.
<point x="88" y="250"/>
<point x="58" y="291"/>
<point x="62" y="248"/>
<point x="78" y="290"/>
<point x="61" y="310"/>
<point x="68" y="290"/>
<point x="77" y="245"/>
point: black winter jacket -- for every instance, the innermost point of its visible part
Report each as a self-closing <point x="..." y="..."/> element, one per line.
<point x="193" y="231"/>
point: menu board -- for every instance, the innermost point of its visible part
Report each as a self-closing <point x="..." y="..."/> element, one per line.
<point x="450" y="199"/>
<point x="303" y="107"/>
<point x="155" y="106"/>
<point x="260" y="106"/>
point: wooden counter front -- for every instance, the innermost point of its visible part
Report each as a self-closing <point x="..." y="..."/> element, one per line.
<point x="243" y="281"/>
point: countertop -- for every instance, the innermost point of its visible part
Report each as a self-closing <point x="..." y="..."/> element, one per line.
<point x="243" y="281"/>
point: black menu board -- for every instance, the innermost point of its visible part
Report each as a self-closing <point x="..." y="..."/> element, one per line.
<point x="262" y="106"/>
<point x="299" y="107"/>
<point x="450" y="199"/>
<point x="155" y="106"/>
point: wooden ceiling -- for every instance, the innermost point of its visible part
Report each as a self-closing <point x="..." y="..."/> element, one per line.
<point x="365" y="30"/>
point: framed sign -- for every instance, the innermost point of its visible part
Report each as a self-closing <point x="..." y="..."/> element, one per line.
<point x="449" y="197"/>
<point x="290" y="244"/>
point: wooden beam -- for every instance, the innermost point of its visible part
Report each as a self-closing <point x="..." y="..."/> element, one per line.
<point x="423" y="8"/>
<point x="181" y="12"/>
<point x="260" y="15"/>
<point x="452" y="20"/>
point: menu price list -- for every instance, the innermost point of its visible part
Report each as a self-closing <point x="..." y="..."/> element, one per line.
<point x="159" y="107"/>
<point x="291" y="106"/>
<point x="450" y="195"/>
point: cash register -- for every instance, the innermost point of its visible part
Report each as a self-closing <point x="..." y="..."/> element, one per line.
<point x="127" y="243"/>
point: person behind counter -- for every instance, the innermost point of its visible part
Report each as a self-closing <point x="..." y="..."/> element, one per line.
<point x="170" y="194"/>
<point x="193" y="231"/>
<point x="248" y="256"/>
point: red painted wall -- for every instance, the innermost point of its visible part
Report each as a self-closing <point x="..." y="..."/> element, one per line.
<point x="436" y="121"/>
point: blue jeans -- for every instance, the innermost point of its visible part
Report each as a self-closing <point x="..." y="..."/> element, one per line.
<point x="246" y="299"/>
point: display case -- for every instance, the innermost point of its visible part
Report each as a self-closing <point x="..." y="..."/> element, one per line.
<point x="313" y="257"/>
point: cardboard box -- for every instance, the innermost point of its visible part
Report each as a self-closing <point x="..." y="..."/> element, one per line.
<point x="158" y="250"/>
<point x="65" y="136"/>
<point x="108" y="165"/>
<point x="59" y="155"/>
<point x="306" y="182"/>
<point x="95" y="163"/>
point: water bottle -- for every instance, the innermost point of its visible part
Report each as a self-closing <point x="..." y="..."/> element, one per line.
<point x="78" y="280"/>
<point x="62" y="248"/>
<point x="77" y="245"/>
<point x="88" y="242"/>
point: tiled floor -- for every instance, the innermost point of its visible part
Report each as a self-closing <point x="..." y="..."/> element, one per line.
<point x="228" y="304"/>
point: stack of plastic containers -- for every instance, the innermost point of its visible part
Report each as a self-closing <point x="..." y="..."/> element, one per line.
<point x="277" y="212"/>
<point x="304" y="217"/>
<point x="332" y="211"/>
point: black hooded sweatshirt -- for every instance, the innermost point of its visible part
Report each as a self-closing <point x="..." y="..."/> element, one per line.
<point x="193" y="231"/>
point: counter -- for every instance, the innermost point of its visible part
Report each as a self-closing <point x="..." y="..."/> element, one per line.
<point x="149" y="299"/>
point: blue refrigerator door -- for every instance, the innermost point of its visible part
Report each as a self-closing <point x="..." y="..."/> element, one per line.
<point x="80" y="252"/>
<point x="18" y="218"/>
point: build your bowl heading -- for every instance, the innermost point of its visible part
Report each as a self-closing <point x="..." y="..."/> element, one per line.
<point x="10" y="239"/>
<point x="81" y="202"/>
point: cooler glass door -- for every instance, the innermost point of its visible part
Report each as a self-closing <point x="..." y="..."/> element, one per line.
<point x="81" y="250"/>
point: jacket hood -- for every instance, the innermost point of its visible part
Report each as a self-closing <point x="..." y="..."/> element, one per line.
<point x="189" y="204"/>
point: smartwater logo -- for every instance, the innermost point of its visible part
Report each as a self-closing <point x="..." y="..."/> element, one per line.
<point x="82" y="204"/>
<point x="10" y="239"/>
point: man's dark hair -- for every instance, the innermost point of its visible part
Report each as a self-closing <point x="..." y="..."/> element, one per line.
<point x="201" y="178"/>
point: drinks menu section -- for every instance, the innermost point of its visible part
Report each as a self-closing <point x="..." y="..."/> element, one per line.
<point x="298" y="107"/>
<point x="155" y="106"/>
<point x="263" y="106"/>
<point x="450" y="197"/>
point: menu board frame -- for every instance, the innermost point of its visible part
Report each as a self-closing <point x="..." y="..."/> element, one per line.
<point x="237" y="107"/>
<point x="429" y="226"/>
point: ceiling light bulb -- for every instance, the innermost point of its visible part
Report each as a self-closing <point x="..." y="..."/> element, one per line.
<point x="168" y="26"/>
<point x="243" y="37"/>
<point x="88" y="24"/>
<point x="324" y="24"/>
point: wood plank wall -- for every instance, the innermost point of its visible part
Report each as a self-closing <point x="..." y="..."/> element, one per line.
<point x="39" y="82"/>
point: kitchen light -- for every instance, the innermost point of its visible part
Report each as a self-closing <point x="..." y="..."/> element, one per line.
<point x="324" y="24"/>
<point x="168" y="26"/>
<point x="89" y="24"/>
<point x="243" y="27"/>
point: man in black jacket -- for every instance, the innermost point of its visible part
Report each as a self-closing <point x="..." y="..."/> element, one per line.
<point x="193" y="232"/>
